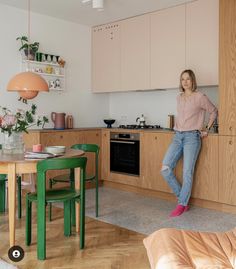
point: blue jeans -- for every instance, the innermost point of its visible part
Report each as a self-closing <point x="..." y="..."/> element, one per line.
<point x="188" y="144"/>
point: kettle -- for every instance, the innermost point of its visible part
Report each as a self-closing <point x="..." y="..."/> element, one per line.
<point x="141" y="121"/>
<point x="58" y="120"/>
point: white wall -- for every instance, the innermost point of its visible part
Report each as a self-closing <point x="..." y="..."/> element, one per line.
<point x="69" y="40"/>
<point x="155" y="105"/>
<point x="73" y="42"/>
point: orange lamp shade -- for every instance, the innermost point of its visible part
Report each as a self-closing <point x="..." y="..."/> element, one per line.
<point x="28" y="84"/>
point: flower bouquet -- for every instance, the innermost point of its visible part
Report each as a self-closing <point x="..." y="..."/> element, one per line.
<point x="14" y="124"/>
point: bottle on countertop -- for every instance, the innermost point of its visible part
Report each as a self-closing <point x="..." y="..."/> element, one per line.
<point x="171" y="121"/>
<point x="69" y="122"/>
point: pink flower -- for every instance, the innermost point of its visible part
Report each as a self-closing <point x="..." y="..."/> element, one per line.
<point x="8" y="120"/>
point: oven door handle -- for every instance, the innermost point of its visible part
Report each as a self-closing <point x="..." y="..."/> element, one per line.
<point x="122" y="142"/>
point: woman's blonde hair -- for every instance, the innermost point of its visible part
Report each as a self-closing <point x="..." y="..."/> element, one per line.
<point x="192" y="77"/>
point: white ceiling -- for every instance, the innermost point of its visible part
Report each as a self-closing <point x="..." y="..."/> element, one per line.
<point x="75" y="11"/>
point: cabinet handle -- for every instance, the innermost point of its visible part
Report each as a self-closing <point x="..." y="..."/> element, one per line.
<point x="105" y="135"/>
<point x="155" y="138"/>
<point x="96" y="134"/>
<point x="61" y="136"/>
<point x="231" y="142"/>
<point x="230" y="128"/>
<point x="122" y="142"/>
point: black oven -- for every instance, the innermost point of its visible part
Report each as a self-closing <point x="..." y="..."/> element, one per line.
<point x="124" y="153"/>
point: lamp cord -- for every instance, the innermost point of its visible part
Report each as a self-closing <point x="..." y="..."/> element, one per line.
<point x="28" y="31"/>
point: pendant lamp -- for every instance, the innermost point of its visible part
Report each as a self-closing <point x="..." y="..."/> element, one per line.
<point x="27" y="84"/>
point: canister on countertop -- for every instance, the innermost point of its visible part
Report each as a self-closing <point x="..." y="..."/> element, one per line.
<point x="69" y="122"/>
<point x="171" y="121"/>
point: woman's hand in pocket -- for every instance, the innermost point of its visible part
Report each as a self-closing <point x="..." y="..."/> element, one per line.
<point x="203" y="134"/>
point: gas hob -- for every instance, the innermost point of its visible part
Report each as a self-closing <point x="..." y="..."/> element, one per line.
<point x="135" y="126"/>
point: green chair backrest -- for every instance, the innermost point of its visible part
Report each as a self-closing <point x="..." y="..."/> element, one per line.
<point x="61" y="163"/>
<point x="87" y="147"/>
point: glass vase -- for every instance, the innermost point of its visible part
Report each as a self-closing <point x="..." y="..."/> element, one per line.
<point x="13" y="144"/>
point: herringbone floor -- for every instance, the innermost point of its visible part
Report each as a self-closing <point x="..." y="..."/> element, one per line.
<point x="106" y="246"/>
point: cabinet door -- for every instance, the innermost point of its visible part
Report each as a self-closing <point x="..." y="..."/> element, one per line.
<point x="106" y="58"/>
<point x="153" y="149"/>
<point x="227" y="169"/>
<point x="31" y="139"/>
<point x="135" y="42"/>
<point x="202" y="40"/>
<point x="205" y="181"/>
<point x="105" y="154"/>
<point x="167" y="55"/>
<point x="227" y="87"/>
<point x="60" y="138"/>
<point x="92" y="137"/>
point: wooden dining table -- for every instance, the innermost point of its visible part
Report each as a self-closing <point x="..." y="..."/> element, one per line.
<point x="14" y="164"/>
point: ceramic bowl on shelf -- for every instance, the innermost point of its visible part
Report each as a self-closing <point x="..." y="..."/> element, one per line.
<point x="109" y="122"/>
<point x="56" y="149"/>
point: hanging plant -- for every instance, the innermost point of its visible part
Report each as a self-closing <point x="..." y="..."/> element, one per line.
<point x="29" y="49"/>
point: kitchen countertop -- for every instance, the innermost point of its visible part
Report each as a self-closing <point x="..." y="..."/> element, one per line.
<point x="46" y="130"/>
<point x="114" y="129"/>
<point x="164" y="130"/>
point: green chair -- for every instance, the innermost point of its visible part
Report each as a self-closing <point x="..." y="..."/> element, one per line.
<point x="67" y="196"/>
<point x="3" y="179"/>
<point x="93" y="178"/>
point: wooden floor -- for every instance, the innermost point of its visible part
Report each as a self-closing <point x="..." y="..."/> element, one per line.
<point x="106" y="246"/>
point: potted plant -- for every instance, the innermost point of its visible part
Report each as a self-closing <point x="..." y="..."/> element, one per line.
<point x="29" y="49"/>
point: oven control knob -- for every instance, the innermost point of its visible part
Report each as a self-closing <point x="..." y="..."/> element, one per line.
<point x="132" y="137"/>
<point x="116" y="136"/>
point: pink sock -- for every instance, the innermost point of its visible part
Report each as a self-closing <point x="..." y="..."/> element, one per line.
<point x="179" y="210"/>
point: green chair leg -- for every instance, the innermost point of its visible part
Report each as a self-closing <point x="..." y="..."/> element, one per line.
<point x="82" y="209"/>
<point x="67" y="218"/>
<point x="2" y="196"/>
<point x="50" y="205"/>
<point x="19" y="197"/>
<point x="73" y="222"/>
<point x="28" y="222"/>
<point x="96" y="182"/>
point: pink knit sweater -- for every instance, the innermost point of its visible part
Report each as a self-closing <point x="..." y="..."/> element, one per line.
<point x="191" y="111"/>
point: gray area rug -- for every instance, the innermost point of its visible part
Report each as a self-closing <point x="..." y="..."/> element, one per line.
<point x="5" y="265"/>
<point x="146" y="215"/>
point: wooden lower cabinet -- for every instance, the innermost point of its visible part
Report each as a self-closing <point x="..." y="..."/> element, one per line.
<point x="205" y="182"/>
<point x="66" y="138"/>
<point x="105" y="154"/>
<point x="153" y="149"/>
<point x="227" y="169"/>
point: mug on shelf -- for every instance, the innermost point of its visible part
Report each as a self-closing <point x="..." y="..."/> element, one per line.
<point x="57" y="71"/>
<point x="39" y="56"/>
<point x="49" y="69"/>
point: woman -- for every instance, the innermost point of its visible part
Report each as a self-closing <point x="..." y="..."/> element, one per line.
<point x="191" y="108"/>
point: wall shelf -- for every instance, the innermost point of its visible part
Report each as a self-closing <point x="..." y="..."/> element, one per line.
<point x="52" y="72"/>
